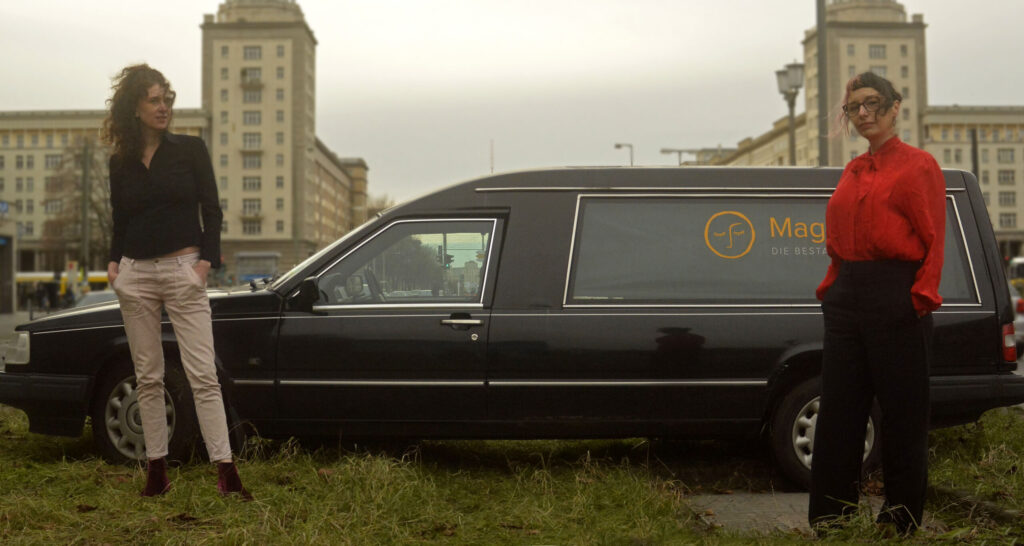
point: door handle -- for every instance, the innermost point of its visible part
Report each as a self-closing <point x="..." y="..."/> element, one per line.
<point x="462" y="322"/>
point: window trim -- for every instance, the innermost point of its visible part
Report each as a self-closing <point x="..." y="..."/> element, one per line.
<point x="445" y="305"/>
<point x="575" y="226"/>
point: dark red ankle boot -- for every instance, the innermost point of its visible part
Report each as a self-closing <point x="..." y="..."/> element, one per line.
<point x="228" y="481"/>
<point x="156" y="478"/>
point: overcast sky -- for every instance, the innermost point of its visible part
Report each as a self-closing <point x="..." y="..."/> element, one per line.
<point x="420" y="88"/>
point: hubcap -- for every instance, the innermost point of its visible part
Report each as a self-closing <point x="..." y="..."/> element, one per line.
<point x="803" y="432"/>
<point x="123" y="419"/>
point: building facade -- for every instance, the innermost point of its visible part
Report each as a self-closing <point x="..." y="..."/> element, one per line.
<point x="283" y="192"/>
<point x="877" y="36"/>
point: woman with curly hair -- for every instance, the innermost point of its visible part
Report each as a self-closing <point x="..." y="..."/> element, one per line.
<point x="161" y="186"/>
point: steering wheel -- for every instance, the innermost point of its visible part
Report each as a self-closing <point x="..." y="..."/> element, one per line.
<point x="371" y="281"/>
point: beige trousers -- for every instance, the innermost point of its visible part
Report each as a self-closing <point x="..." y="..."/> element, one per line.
<point x="144" y="287"/>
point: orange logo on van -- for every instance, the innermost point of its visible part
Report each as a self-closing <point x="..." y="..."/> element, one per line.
<point x="729" y="234"/>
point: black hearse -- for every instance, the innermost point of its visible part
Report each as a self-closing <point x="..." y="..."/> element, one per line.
<point x="588" y="302"/>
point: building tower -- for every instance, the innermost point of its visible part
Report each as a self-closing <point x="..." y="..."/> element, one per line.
<point x="862" y="36"/>
<point x="284" y="193"/>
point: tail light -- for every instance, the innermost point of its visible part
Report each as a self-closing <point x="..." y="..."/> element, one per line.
<point x="1009" y="343"/>
<point x="1020" y="306"/>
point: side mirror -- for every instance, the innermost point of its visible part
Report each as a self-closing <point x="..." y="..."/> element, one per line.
<point x="308" y="294"/>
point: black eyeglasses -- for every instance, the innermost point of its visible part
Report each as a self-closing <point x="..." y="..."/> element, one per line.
<point x="167" y="99"/>
<point x="871" y="105"/>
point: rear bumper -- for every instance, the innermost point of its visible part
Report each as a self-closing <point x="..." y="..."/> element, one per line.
<point x="55" y="404"/>
<point x="963" y="398"/>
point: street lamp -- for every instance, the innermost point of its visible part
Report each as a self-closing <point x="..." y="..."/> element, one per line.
<point x="619" y="146"/>
<point x="791" y="79"/>
<point x="679" y="153"/>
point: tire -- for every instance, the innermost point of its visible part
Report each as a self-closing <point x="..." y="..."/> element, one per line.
<point x="117" y="425"/>
<point x="792" y="433"/>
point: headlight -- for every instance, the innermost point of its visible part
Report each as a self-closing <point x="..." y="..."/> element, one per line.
<point x="17" y="349"/>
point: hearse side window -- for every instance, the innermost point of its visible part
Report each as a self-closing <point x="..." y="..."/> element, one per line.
<point x="716" y="250"/>
<point x="413" y="262"/>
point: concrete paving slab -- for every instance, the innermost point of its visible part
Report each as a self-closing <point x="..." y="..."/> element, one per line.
<point x="763" y="513"/>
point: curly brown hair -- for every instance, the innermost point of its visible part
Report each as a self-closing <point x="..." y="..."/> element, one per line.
<point x="121" y="128"/>
<point x="868" y="79"/>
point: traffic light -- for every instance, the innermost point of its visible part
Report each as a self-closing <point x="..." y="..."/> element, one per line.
<point x="448" y="259"/>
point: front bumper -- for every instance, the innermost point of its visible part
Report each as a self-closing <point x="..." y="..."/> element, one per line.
<point x="961" y="399"/>
<point x="55" y="404"/>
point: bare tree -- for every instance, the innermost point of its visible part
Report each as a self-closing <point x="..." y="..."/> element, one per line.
<point x="65" y="191"/>
<point x="378" y="203"/>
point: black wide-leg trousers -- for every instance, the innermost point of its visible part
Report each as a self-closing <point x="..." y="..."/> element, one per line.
<point x="875" y="347"/>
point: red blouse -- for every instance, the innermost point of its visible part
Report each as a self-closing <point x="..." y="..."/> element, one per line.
<point x="890" y="205"/>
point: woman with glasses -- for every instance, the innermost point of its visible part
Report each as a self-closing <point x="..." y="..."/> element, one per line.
<point x="161" y="186"/>
<point x="885" y="232"/>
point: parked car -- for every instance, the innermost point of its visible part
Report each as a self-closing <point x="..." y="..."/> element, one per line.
<point x="92" y="298"/>
<point x="1018" y="312"/>
<point x="566" y="303"/>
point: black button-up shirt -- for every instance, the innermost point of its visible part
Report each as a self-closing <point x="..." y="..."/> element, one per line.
<point x="157" y="210"/>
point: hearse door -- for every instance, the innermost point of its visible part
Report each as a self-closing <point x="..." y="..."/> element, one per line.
<point x="399" y="332"/>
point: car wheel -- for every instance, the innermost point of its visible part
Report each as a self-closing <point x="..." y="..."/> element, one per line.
<point x="792" y="434"/>
<point x="117" y="423"/>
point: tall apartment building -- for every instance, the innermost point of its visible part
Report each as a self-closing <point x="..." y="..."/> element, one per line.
<point x="284" y="193"/>
<point x="876" y="36"/>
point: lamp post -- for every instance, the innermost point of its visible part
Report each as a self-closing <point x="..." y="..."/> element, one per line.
<point x="678" y="151"/>
<point x="790" y="80"/>
<point x="619" y="146"/>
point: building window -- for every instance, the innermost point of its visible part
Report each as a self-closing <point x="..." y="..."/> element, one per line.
<point x="1" y="183"/>
<point x="223" y="95"/>
<point x="280" y="115"/>
<point x="251" y="117"/>
<point x="252" y="161"/>
<point x="280" y="226"/>
<point x="30" y="184"/>
<point x="946" y="156"/>
<point x="850" y="50"/>
<point x="251" y="227"/>
<point x="251" y="183"/>
<point x="223" y="139"/>
<point x="1006" y="177"/>
<point x="52" y="161"/>
<point x="958" y="155"/>
<point x="906" y="113"/>
<point x="2" y="158"/>
<point x="252" y="53"/>
<point x="984" y="155"/>
<point x="876" y="51"/>
<point x="223" y="183"/>
<point x="982" y="134"/>
<point x="250" y="206"/>
<point x="905" y="92"/>
<point x="280" y="94"/>
<point x="1004" y="155"/>
<point x="224" y="73"/>
<point x="251" y="75"/>
<point x="19" y="184"/>
<point x="280" y="203"/>
<point x="984" y="177"/>
<point x="1008" y="220"/>
<point x="279" y="182"/>
<point x="6" y="141"/>
<point x="853" y="154"/>
<point x="251" y="141"/>
<point x="853" y="70"/>
<point x="224" y="227"/>
<point x="879" y="70"/>
<point x="17" y="206"/>
<point x="223" y="160"/>
<point x="280" y="72"/>
<point x="49" y="140"/>
<point x="280" y="51"/>
<point x="223" y="52"/>
<point x="279" y="138"/>
<point x="1007" y="198"/>
<point x="30" y="206"/>
<point x="956" y="135"/>
<point x="20" y="141"/>
<point x="30" y="228"/>
<point x="906" y="135"/>
<point x="30" y="161"/>
<point x="252" y="95"/>
<point x="903" y="50"/>
<point x="53" y="206"/>
<point x="223" y="116"/>
<point x="905" y="71"/>
<point x="984" y="195"/>
<point x="945" y="134"/>
<point x="35" y="140"/>
<point x="223" y="204"/>
<point x="279" y="160"/>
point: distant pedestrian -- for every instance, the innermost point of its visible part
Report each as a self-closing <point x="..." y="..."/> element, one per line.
<point x="160" y="185"/>
<point x="885" y="234"/>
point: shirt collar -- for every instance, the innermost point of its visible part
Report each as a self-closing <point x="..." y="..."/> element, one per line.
<point x="171" y="137"/>
<point x="887" y="146"/>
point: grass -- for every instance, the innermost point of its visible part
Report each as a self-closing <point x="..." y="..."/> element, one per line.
<point x="55" y="490"/>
